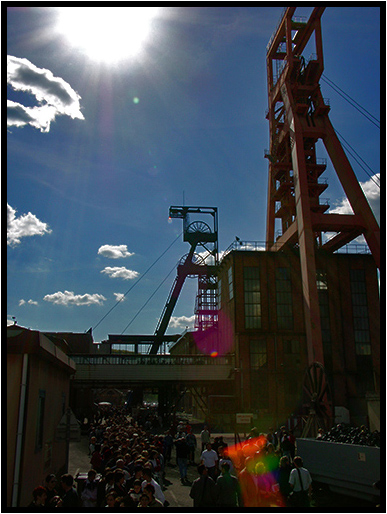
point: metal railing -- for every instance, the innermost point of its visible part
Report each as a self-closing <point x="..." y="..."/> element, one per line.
<point x="260" y="246"/>
<point x="158" y="360"/>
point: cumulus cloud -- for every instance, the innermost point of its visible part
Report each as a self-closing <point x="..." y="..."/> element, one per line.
<point x="69" y="298"/>
<point x="25" y="225"/>
<point x="114" y="251"/>
<point x="30" y="302"/>
<point x="182" y="321"/>
<point x="120" y="272"/>
<point x="54" y="95"/>
<point x="372" y="193"/>
<point x="120" y="297"/>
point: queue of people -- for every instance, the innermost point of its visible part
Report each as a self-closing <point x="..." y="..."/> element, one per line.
<point x="128" y="467"/>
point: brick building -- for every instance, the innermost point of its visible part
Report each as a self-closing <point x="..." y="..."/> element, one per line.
<point x="261" y="321"/>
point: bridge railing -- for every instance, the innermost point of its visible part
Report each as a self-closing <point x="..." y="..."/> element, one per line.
<point x="159" y="360"/>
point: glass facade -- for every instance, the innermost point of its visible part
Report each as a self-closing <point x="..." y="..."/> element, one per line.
<point x="365" y="382"/>
<point x="323" y="298"/>
<point x="230" y="284"/>
<point x="258" y="374"/>
<point x="252" y="297"/>
<point x="360" y="312"/>
<point x="284" y="298"/>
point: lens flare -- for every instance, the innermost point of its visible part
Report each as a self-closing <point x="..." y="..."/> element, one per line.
<point x="259" y="472"/>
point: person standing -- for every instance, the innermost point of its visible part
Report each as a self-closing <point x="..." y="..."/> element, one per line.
<point x="167" y="447"/>
<point x="191" y="441"/>
<point x="182" y="452"/>
<point x="247" y="484"/>
<point x="283" y="475"/>
<point x="70" y="500"/>
<point x="148" y="479"/>
<point x="205" y="437"/>
<point x="210" y="459"/>
<point x="301" y="483"/>
<point x="39" y="495"/>
<point x="149" y="490"/>
<point x="228" y="490"/>
<point x="50" y="485"/>
<point x="203" y="490"/>
<point x="272" y="438"/>
<point x="90" y="490"/>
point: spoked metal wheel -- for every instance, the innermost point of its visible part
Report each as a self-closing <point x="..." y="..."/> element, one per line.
<point x="318" y="398"/>
<point x="198" y="227"/>
<point x="196" y="259"/>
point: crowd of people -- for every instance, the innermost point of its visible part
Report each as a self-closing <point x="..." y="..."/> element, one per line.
<point x="129" y="469"/>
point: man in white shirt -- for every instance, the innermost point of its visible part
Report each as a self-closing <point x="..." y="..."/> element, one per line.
<point x="210" y="459"/>
<point x="301" y="483"/>
<point x="147" y="475"/>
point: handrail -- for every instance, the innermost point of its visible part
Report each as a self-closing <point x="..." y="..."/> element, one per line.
<point x="260" y="246"/>
<point x="146" y="360"/>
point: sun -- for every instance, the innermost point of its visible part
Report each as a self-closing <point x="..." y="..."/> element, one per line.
<point x="106" y="34"/>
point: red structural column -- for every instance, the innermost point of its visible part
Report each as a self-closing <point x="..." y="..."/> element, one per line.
<point x="352" y="189"/>
<point x="306" y="237"/>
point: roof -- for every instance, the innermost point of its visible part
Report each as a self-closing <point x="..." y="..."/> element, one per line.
<point x="21" y="340"/>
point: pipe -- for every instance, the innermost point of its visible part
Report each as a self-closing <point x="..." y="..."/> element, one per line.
<point x="19" y="436"/>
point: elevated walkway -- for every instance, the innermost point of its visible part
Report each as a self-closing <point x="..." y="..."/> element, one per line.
<point x="140" y="369"/>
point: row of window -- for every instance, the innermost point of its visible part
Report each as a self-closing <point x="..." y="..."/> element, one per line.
<point x="252" y="301"/>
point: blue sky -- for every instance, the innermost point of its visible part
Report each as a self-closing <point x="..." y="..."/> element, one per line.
<point x="97" y="151"/>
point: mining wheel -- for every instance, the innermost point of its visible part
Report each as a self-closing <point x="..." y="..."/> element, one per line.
<point x="198" y="227"/>
<point x="196" y="259"/>
<point x="318" y="399"/>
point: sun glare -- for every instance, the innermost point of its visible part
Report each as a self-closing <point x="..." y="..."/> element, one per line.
<point x="106" y="34"/>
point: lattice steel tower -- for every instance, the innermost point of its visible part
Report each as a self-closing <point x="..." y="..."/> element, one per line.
<point x="298" y="117"/>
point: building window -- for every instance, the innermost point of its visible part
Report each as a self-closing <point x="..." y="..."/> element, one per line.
<point x="365" y="381"/>
<point x="258" y="375"/>
<point x="360" y="312"/>
<point x="322" y="282"/>
<point x="219" y="293"/>
<point x="252" y="291"/>
<point x="292" y="346"/>
<point x="284" y="298"/>
<point x="258" y="353"/>
<point x="40" y="420"/>
<point x="230" y="284"/>
<point x="259" y="390"/>
<point x="323" y="298"/>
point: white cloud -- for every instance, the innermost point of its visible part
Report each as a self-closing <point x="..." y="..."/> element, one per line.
<point x="25" y="225"/>
<point x="114" y="251"/>
<point x="372" y="193"/>
<point x="182" y="321"/>
<point x="30" y="302"/>
<point x="69" y="298"/>
<point x="54" y="95"/>
<point x="120" y="297"/>
<point x="120" y="272"/>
